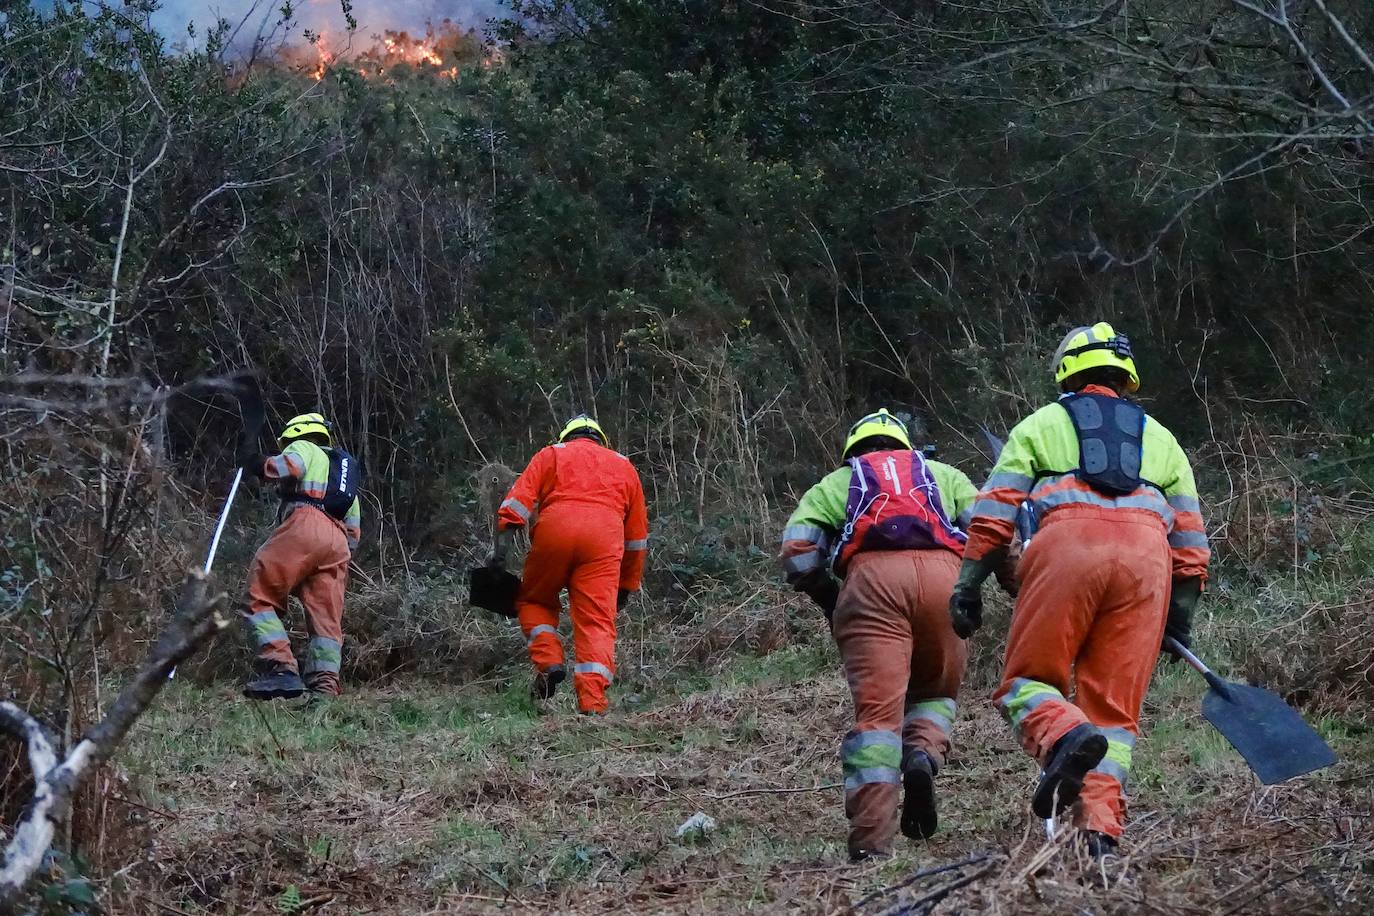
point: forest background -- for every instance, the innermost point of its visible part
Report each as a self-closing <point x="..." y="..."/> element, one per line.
<point x="726" y="228"/>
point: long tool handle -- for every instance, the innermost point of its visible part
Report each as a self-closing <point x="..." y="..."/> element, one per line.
<point x="223" y="517"/>
<point x="219" y="532"/>
<point x="1173" y="645"/>
<point x="1214" y="680"/>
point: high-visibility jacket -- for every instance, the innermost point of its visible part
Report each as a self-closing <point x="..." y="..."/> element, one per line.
<point x="1039" y="463"/>
<point x="586" y="473"/>
<point x="302" y="470"/>
<point x="813" y="531"/>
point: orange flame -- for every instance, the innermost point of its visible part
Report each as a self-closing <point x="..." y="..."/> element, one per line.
<point x="441" y="53"/>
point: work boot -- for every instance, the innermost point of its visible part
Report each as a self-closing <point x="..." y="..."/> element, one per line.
<point x="546" y="682"/>
<point x="860" y="854"/>
<point x="282" y="684"/>
<point x="1072" y="757"/>
<point x="919" y="820"/>
<point x="1099" y="845"/>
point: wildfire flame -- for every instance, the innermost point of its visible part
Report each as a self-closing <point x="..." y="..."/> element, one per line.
<point x="440" y="53"/>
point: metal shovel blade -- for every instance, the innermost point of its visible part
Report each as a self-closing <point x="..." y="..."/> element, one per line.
<point x="1272" y="737"/>
<point x="1266" y="731"/>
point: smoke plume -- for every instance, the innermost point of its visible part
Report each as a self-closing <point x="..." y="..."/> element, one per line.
<point x="260" y="17"/>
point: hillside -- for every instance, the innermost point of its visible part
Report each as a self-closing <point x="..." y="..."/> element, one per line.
<point x="425" y="797"/>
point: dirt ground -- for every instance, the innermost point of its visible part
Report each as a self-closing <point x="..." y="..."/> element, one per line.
<point x="429" y="798"/>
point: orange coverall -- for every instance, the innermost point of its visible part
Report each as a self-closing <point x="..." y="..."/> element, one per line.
<point x="307" y="556"/>
<point x="1094" y="595"/>
<point x="590" y="537"/>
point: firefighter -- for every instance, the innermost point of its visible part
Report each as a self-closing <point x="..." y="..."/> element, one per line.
<point x="307" y="556"/>
<point x="889" y="524"/>
<point x="1117" y="565"/>
<point x="591" y="538"/>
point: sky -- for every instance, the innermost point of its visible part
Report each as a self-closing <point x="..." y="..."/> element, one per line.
<point x="324" y="15"/>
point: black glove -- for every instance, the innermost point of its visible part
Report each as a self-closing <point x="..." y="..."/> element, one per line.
<point x="251" y="460"/>
<point x="966" y="603"/>
<point x="821" y="588"/>
<point x="1006" y="573"/>
<point x="622" y="598"/>
<point x="1183" y="600"/>
<point x="966" y="611"/>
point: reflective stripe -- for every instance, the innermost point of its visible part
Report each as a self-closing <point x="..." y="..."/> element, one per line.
<point x="1009" y="480"/>
<point x="542" y="628"/>
<point x="517" y="507"/>
<point x="593" y="668"/>
<point x="940" y="711"/>
<point x="640" y="544"/>
<point x="1119" y="735"/>
<point x="280" y="466"/>
<point x="1117" y="763"/>
<point x="875" y="738"/>
<point x="325" y="654"/>
<point x="314" y="488"/>
<point x="1109" y="767"/>
<point x="1147" y="500"/>
<point x="1188" y="539"/>
<point x="800" y="563"/>
<point x="1024" y="696"/>
<point x="266" y="627"/>
<point x="1185" y="504"/>
<point x="991" y="508"/>
<point x="870" y="775"/>
<point x="810" y="533"/>
<point x="871" y="750"/>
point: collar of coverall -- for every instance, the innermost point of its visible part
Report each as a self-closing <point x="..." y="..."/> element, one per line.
<point x="1098" y="389"/>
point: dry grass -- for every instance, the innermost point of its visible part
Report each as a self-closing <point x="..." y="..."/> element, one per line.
<point x="428" y="797"/>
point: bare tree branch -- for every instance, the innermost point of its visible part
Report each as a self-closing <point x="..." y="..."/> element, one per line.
<point x="196" y="619"/>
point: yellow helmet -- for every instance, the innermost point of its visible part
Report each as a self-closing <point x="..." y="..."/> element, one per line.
<point x="881" y="423"/>
<point x="304" y="425"/>
<point x="581" y="423"/>
<point x="1089" y="348"/>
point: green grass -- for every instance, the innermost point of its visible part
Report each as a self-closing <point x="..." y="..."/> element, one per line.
<point x="473" y="795"/>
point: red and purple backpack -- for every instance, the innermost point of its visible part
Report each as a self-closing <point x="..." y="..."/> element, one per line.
<point x="894" y="504"/>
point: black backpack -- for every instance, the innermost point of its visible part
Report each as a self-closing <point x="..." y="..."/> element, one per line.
<point x="345" y="480"/>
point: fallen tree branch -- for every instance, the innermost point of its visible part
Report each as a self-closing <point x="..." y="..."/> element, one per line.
<point x="196" y="619"/>
<point x="789" y="791"/>
<point x="928" y="873"/>
<point x="928" y="901"/>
